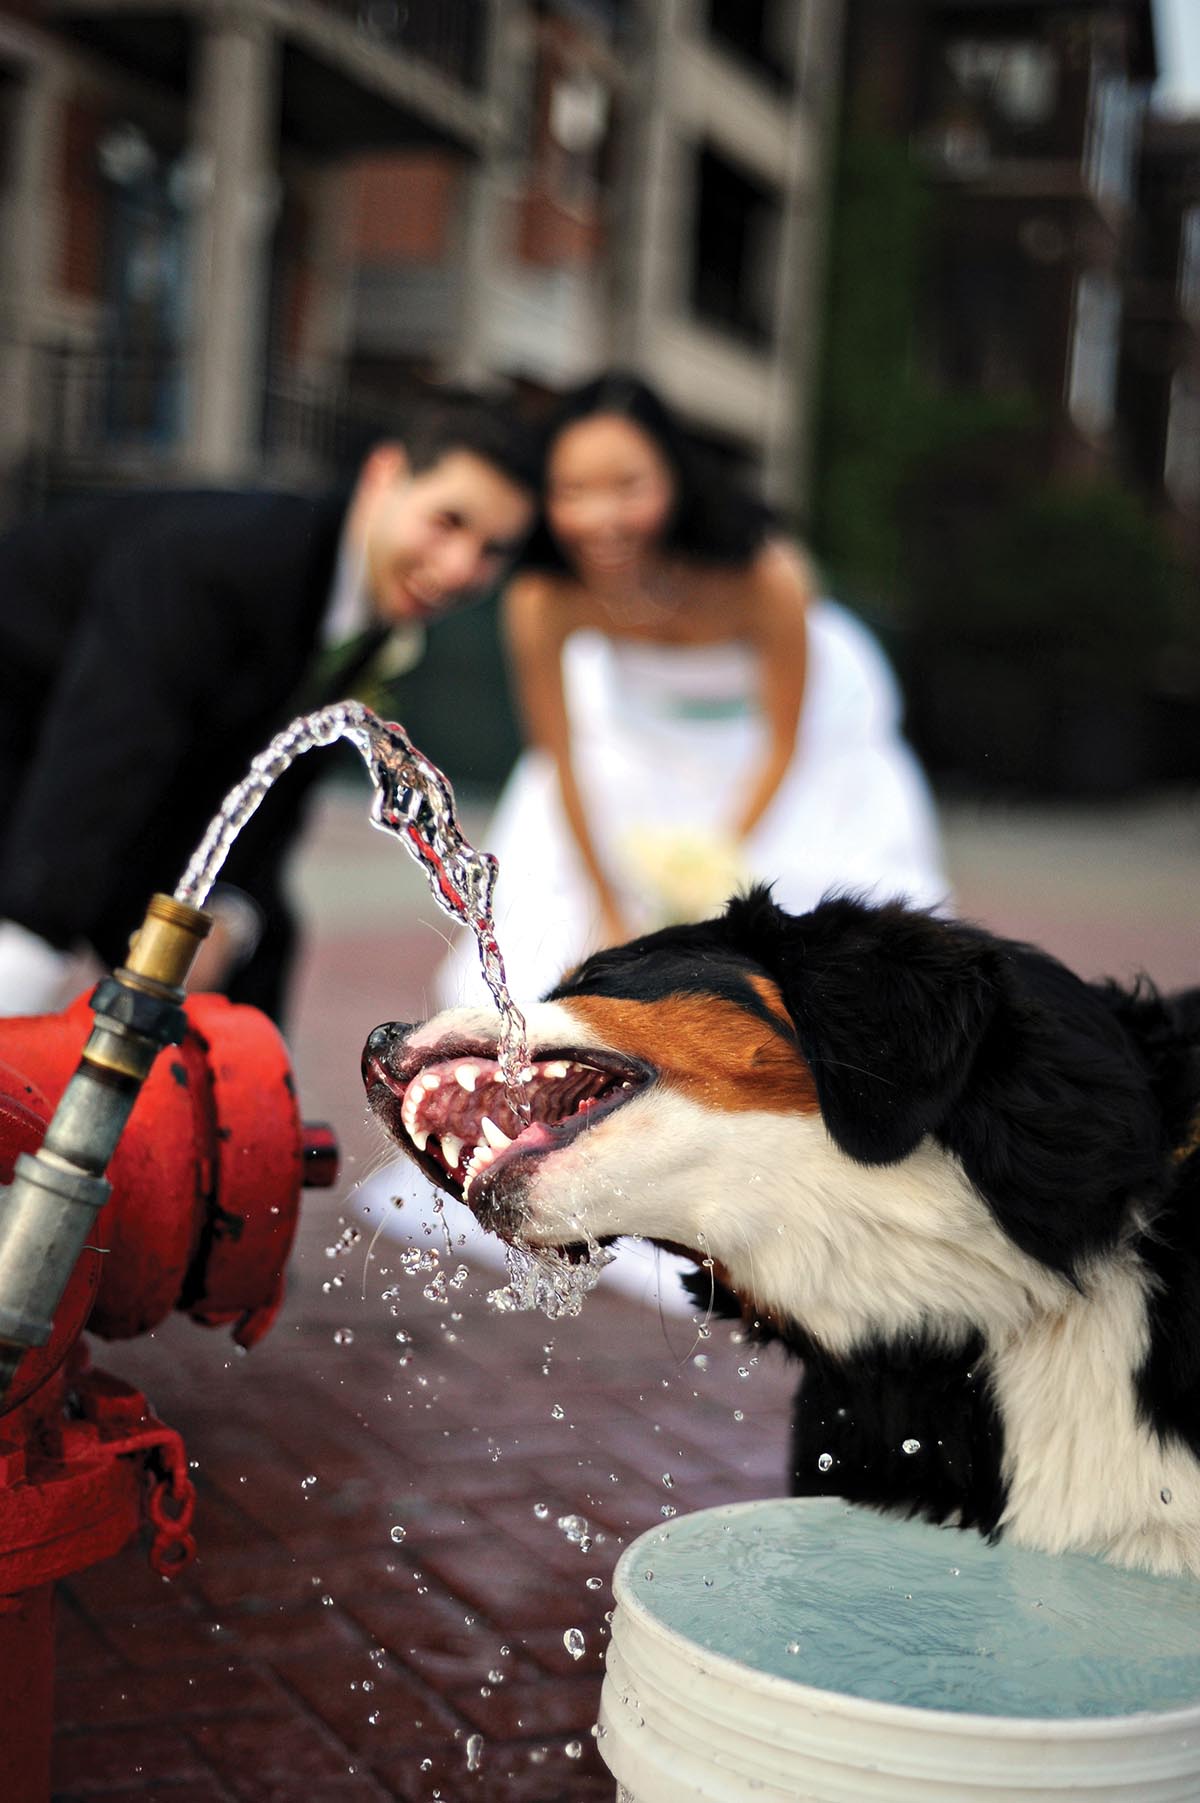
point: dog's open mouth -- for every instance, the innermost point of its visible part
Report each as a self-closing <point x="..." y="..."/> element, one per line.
<point x="452" y="1115"/>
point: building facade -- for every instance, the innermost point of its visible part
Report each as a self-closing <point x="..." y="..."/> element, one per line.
<point x="234" y="228"/>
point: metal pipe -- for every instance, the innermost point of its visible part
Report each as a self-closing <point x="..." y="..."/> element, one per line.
<point x="50" y="1207"/>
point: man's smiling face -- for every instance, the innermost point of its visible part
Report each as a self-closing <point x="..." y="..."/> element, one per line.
<point x="439" y="535"/>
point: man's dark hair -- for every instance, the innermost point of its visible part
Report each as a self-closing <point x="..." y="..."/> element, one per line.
<point x="713" y="520"/>
<point x="437" y="423"/>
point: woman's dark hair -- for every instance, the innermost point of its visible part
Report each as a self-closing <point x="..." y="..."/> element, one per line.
<point x="713" y="521"/>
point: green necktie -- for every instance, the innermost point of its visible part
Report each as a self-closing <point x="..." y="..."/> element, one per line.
<point x="339" y="670"/>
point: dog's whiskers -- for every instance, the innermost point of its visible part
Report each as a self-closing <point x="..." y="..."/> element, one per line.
<point x="702" y="1330"/>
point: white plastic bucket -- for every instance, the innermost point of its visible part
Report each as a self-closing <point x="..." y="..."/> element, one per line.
<point x="681" y="1722"/>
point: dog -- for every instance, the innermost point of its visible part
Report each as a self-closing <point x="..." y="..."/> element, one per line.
<point x="959" y="1183"/>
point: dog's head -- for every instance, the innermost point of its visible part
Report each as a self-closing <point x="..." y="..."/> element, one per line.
<point x="852" y="1109"/>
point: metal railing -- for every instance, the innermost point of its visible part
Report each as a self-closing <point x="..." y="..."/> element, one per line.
<point x="449" y="35"/>
<point x="107" y="416"/>
<point x="92" y="401"/>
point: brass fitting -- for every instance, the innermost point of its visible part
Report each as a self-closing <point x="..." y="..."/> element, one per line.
<point x="163" y="948"/>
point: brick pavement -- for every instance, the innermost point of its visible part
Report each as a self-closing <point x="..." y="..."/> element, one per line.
<point x="309" y="1656"/>
<point x="382" y="1573"/>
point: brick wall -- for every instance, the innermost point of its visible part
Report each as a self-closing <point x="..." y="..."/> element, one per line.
<point x="404" y="207"/>
<point x="81" y="245"/>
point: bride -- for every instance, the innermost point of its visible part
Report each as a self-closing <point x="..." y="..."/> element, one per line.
<point x="696" y="716"/>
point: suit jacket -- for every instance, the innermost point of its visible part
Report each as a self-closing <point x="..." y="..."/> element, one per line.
<point x="150" y="644"/>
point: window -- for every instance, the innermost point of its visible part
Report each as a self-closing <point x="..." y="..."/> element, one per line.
<point x="1092" y="377"/>
<point x="1189" y="264"/>
<point x="1181" y="461"/>
<point x="1113" y="125"/>
<point x="735" y="253"/>
<point x="762" y="33"/>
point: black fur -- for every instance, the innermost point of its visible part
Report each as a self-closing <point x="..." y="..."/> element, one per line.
<point x="1068" y="1104"/>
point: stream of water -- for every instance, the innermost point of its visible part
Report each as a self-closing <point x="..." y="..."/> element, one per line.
<point x="414" y="802"/>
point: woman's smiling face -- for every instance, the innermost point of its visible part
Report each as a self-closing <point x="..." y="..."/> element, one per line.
<point x="609" y="494"/>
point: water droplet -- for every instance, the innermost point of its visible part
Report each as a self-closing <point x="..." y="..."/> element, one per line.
<point x="327" y="1601"/>
<point x="701" y="1361"/>
<point x="574" y="1642"/>
<point x="541" y="1510"/>
<point x="427" y="1765"/>
<point x="793" y="1646"/>
<point x="474" y="1752"/>
<point x="668" y="1509"/>
<point x="578" y="1530"/>
<point x="1166" y="1495"/>
<point x="373" y="1718"/>
<point x="668" y="1480"/>
<point x="557" y="1411"/>
<point x="648" y="1575"/>
<point x="910" y="1446"/>
<point x="344" y="1336"/>
<point x="595" y="1584"/>
<point x="738" y="1415"/>
<point x="825" y="1462"/>
<point x="574" y="1749"/>
<point x="743" y="1371"/>
<point x="495" y="1676"/>
<point x="306" y="1483"/>
<point x="398" y="1534"/>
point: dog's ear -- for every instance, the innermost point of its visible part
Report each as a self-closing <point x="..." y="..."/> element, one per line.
<point x="889" y="1006"/>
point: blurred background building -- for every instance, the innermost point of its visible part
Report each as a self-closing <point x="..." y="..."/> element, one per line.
<point x="926" y="270"/>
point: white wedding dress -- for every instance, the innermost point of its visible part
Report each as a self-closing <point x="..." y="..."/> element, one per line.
<point x="665" y="738"/>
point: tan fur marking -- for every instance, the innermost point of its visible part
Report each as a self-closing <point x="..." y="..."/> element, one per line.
<point x="708" y="1048"/>
<point x="770" y="997"/>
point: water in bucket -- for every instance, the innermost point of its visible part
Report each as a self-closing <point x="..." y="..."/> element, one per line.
<point x="805" y="1648"/>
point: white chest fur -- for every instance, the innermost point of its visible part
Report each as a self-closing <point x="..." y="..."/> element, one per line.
<point x="1085" y="1473"/>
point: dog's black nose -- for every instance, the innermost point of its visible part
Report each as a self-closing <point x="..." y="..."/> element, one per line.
<point x="381" y="1041"/>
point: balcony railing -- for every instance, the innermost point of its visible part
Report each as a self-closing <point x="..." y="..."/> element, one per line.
<point x="95" y="402"/>
<point x="449" y="35"/>
<point x="108" y="416"/>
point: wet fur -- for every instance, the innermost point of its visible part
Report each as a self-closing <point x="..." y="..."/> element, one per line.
<point x="954" y="1179"/>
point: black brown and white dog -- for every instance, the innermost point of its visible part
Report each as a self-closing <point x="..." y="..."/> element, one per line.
<point x="960" y="1183"/>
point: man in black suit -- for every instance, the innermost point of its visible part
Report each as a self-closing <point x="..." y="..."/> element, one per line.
<point x="151" y="643"/>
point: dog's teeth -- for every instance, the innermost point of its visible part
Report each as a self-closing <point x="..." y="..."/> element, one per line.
<point x="414" y="1095"/>
<point x="466" y="1076"/>
<point x="479" y="1161"/>
<point x="451" y="1150"/>
<point x="559" y="1068"/>
<point x="495" y="1136"/>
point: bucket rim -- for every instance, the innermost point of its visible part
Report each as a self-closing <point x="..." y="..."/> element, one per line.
<point x="968" y="1725"/>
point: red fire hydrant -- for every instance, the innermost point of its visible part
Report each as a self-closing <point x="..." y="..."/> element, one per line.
<point x="206" y="1183"/>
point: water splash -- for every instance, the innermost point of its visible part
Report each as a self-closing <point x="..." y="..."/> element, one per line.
<point x="414" y="802"/>
<point x="549" y="1281"/>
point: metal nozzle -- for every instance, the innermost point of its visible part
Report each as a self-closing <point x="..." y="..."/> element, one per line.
<point x="165" y="945"/>
<point x="48" y="1210"/>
